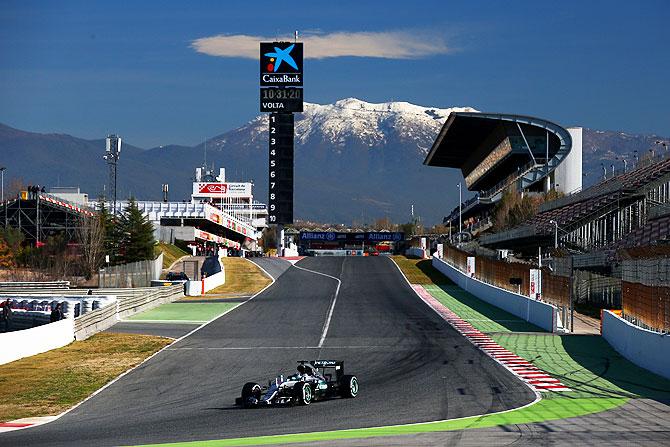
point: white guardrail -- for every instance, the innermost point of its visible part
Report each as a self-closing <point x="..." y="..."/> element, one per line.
<point x="97" y="312"/>
<point x="645" y="348"/>
<point x="27" y="342"/>
<point x="540" y="314"/>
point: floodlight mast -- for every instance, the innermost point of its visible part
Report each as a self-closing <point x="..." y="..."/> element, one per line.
<point x="112" y="154"/>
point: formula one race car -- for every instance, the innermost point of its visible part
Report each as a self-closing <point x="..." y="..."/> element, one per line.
<point x="314" y="380"/>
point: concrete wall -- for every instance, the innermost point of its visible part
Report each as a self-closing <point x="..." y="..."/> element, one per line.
<point x="540" y="314"/>
<point x="214" y="281"/>
<point x="416" y="252"/>
<point x="647" y="349"/>
<point x="19" y="344"/>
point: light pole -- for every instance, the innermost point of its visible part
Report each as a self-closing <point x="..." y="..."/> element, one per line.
<point x="553" y="222"/>
<point x="460" y="214"/>
<point x="2" y="171"/>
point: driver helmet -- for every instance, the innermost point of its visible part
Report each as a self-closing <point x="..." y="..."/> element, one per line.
<point x="301" y="369"/>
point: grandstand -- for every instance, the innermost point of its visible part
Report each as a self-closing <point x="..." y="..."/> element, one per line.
<point x="605" y="247"/>
<point x="40" y="215"/>
<point x="627" y="210"/>
<point x="497" y="151"/>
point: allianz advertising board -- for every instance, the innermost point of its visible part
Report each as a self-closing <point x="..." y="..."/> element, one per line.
<point x="381" y="236"/>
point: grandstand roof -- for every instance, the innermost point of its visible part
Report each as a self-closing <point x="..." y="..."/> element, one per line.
<point x="489" y="147"/>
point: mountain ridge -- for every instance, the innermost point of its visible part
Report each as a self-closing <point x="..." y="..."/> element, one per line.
<point x="354" y="160"/>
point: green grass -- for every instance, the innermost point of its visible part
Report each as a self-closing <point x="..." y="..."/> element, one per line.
<point x="170" y="253"/>
<point x="187" y="312"/>
<point x="420" y="271"/>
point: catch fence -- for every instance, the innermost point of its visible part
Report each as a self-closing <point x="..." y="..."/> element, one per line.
<point x="645" y="293"/>
<point x="555" y="288"/>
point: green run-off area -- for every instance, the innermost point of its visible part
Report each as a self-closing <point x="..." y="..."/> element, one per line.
<point x="184" y="312"/>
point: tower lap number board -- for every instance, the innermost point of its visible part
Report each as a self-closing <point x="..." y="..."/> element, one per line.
<point x="280" y="181"/>
<point x="281" y="81"/>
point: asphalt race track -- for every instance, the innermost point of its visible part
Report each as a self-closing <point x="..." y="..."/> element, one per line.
<point x="411" y="365"/>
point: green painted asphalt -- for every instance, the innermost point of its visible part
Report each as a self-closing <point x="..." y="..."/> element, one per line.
<point x="544" y="410"/>
<point x="480" y="314"/>
<point x="186" y="312"/>
<point x="587" y="364"/>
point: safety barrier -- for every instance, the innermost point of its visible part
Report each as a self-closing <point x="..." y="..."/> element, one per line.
<point x="416" y="252"/>
<point x="95" y="321"/>
<point x="20" y="344"/>
<point x="9" y="285"/>
<point x="123" y="303"/>
<point x="541" y="314"/>
<point x="197" y="288"/>
<point x="645" y="348"/>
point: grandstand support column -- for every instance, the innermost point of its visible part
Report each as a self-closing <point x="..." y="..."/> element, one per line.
<point x="572" y="296"/>
<point x="526" y="141"/>
<point x="555" y="233"/>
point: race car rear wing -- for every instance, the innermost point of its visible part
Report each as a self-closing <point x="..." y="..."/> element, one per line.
<point x="337" y="364"/>
<point x="326" y="367"/>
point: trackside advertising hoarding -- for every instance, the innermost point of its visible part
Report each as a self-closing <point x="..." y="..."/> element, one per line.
<point x="330" y="236"/>
<point x="220" y="190"/>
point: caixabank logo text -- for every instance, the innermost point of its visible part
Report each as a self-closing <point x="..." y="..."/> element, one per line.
<point x="281" y="64"/>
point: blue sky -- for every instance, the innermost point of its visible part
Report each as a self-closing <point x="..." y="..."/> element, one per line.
<point x="90" y="68"/>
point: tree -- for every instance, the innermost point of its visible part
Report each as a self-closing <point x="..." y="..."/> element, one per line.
<point x="111" y="231"/>
<point x="91" y="235"/>
<point x="408" y="228"/>
<point x="6" y="255"/>
<point x="13" y="237"/>
<point x="136" y="242"/>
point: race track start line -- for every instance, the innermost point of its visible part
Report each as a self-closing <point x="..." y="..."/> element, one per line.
<point x="536" y="378"/>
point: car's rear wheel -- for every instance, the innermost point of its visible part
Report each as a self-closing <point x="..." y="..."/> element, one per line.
<point x="303" y="393"/>
<point x="251" y="390"/>
<point x="349" y="386"/>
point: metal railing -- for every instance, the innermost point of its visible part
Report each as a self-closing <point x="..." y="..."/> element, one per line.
<point x="501" y="185"/>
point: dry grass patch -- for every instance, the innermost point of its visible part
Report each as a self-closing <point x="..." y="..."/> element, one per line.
<point x="420" y="271"/>
<point x="170" y="253"/>
<point x="49" y="383"/>
<point x="243" y="277"/>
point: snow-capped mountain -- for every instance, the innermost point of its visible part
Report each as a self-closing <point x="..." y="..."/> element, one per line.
<point x="354" y="159"/>
<point x="368" y="123"/>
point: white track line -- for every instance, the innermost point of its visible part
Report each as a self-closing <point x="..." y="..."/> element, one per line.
<point x="332" y="305"/>
<point x="186" y="322"/>
<point x="154" y="354"/>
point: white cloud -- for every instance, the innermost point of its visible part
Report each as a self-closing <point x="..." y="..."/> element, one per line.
<point x="388" y="45"/>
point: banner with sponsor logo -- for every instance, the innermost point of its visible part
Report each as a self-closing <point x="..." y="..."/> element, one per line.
<point x="221" y="190"/>
<point x="471" y="266"/>
<point x="535" y="286"/>
<point x="351" y="237"/>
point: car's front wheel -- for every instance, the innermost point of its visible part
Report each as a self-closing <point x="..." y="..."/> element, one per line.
<point x="303" y="393"/>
